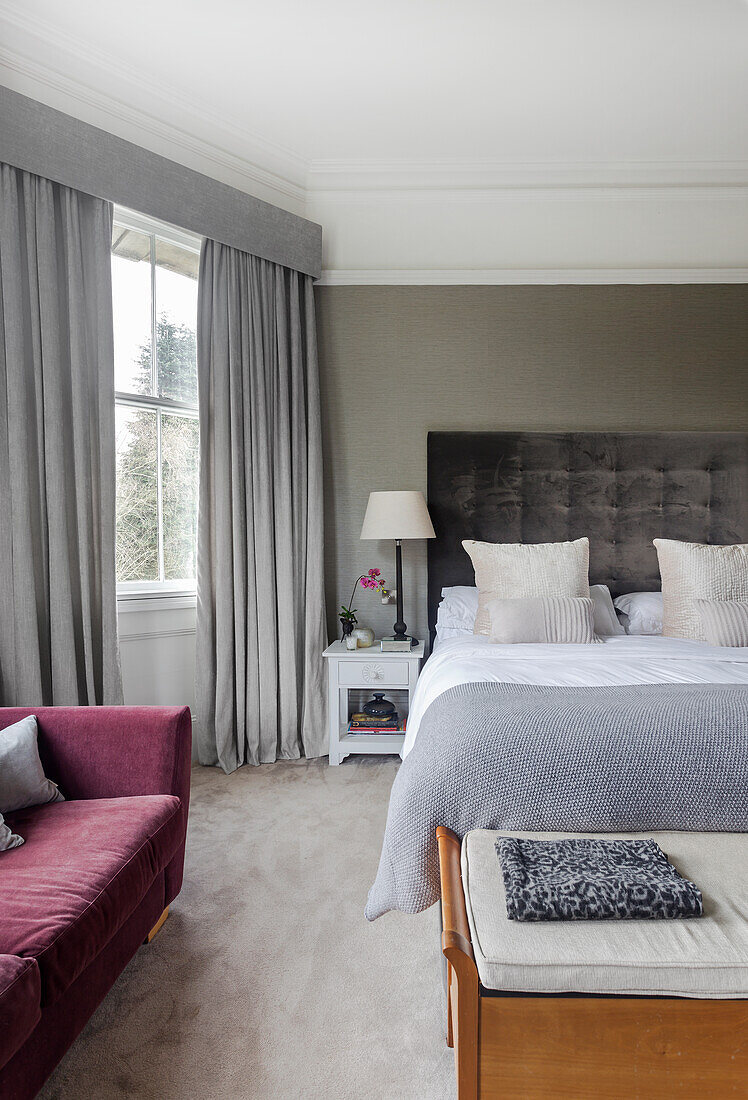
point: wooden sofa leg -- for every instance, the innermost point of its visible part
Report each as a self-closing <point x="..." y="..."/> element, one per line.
<point x="157" y="926"/>
<point x="463" y="984"/>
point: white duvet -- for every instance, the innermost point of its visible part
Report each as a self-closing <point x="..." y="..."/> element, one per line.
<point x="624" y="659"/>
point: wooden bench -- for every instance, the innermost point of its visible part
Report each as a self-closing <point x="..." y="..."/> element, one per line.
<point x="522" y="1041"/>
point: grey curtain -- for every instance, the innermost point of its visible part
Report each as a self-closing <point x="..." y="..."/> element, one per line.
<point x="260" y="593"/>
<point x="58" y="614"/>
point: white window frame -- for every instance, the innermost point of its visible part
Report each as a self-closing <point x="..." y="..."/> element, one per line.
<point x="156" y="590"/>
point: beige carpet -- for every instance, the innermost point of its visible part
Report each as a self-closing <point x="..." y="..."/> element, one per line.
<point x="266" y="980"/>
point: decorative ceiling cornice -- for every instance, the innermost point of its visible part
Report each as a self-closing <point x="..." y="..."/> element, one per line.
<point x="260" y="163"/>
<point x="489" y="176"/>
<point x="62" y="71"/>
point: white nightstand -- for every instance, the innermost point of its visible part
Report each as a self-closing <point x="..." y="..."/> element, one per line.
<point x="365" y="669"/>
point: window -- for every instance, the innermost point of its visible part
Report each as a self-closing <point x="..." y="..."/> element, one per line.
<point x="154" y="285"/>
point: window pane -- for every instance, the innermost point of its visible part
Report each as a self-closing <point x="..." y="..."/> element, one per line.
<point x="179" y="470"/>
<point x="176" y="321"/>
<point x="137" y="495"/>
<point x="131" y="299"/>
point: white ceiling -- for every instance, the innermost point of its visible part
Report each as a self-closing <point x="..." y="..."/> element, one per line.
<point x="314" y="91"/>
<point x="454" y="141"/>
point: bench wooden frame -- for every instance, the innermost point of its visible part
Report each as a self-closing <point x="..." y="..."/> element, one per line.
<point x="575" y="1045"/>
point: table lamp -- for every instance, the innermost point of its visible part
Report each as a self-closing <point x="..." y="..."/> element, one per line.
<point x="398" y="515"/>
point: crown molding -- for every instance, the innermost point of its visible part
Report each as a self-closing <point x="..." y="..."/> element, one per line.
<point x="32" y="62"/>
<point x="319" y="200"/>
<point x="534" y="276"/>
<point x="484" y="179"/>
<point x="279" y="172"/>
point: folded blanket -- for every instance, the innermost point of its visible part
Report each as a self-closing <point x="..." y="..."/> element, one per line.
<point x="625" y="759"/>
<point x="581" y="879"/>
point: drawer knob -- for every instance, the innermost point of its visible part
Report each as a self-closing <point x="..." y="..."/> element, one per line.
<point x="372" y="673"/>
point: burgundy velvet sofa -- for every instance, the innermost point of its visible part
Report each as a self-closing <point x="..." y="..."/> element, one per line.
<point x="94" y="876"/>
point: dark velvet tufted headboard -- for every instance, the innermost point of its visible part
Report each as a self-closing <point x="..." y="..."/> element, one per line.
<point x="621" y="489"/>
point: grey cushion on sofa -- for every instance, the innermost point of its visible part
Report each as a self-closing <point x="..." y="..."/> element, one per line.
<point x="22" y="779"/>
<point x="691" y="958"/>
<point x="8" y="839"/>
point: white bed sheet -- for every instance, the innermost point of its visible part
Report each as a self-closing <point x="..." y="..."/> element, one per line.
<point x="626" y="659"/>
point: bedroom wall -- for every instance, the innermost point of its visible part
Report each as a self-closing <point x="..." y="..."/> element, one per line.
<point x="398" y="361"/>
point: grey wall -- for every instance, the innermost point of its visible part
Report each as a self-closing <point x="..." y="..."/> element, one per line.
<point x="396" y="362"/>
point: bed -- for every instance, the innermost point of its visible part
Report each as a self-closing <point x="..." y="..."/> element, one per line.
<point x="635" y="733"/>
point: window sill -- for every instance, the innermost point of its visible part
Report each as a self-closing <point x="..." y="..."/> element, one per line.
<point x="155" y="601"/>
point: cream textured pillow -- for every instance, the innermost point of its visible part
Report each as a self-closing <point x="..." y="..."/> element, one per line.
<point x="505" y="570"/>
<point x="692" y="571"/>
<point x="724" y="622"/>
<point x="555" y="619"/>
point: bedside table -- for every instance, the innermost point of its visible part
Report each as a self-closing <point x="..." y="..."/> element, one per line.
<point x="367" y="670"/>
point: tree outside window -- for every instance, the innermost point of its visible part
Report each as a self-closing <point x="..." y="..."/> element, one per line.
<point x="155" y="309"/>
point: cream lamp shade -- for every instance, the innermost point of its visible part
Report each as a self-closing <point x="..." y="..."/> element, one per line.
<point x="397" y="515"/>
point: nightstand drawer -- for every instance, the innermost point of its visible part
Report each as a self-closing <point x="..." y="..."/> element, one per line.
<point x="371" y="673"/>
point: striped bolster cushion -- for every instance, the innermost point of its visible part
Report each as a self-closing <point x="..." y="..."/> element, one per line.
<point x="724" y="622"/>
<point x="542" y="619"/>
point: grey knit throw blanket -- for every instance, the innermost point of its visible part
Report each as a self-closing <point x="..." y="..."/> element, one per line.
<point x="580" y="879"/>
<point x="562" y="759"/>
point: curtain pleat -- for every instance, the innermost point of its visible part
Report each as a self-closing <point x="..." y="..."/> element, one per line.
<point x="58" y="613"/>
<point x="261" y="617"/>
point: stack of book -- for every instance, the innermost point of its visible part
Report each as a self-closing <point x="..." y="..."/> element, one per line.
<point x="362" y="723"/>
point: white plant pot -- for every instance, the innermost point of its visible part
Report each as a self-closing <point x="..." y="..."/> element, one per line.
<point x="364" y="636"/>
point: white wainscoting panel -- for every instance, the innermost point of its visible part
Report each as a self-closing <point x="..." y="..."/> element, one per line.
<point x="157" y="651"/>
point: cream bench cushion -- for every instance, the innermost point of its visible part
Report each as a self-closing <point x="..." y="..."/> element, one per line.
<point x="703" y="957"/>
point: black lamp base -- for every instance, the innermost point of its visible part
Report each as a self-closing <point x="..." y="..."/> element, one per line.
<point x="400" y="627"/>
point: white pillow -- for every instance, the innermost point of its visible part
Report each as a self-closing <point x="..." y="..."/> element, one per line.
<point x="456" y="612"/>
<point x="607" y="623"/>
<point x="692" y="571"/>
<point x="513" y="570"/>
<point x="643" y="611"/>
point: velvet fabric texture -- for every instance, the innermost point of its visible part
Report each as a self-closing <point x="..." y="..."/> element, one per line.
<point x="619" y="489"/>
<point x="260" y="592"/>
<point x="111" y="752"/>
<point x="97" y="870"/>
<point x="58" y="609"/>
<point x="20" y="997"/>
<point x="83" y="869"/>
<point x="62" y="1021"/>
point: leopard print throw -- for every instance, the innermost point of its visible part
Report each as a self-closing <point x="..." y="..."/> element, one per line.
<point x="586" y="879"/>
